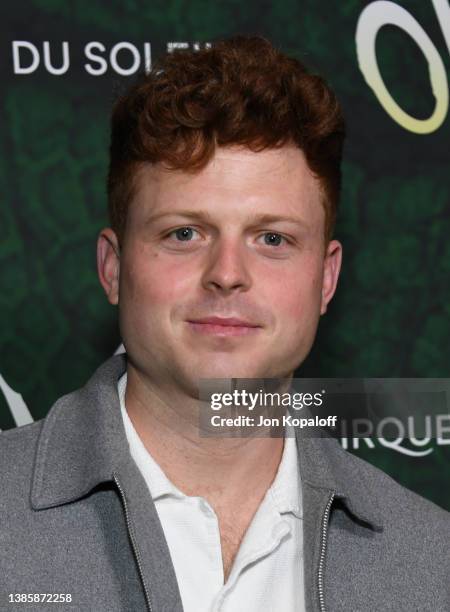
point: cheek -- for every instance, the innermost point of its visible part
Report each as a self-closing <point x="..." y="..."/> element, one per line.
<point x="296" y="294"/>
<point x="152" y="280"/>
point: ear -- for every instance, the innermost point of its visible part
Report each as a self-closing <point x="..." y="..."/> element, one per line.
<point x="332" y="267"/>
<point x="108" y="263"/>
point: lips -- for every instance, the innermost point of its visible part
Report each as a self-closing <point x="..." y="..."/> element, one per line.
<point x="224" y="321"/>
<point x="223" y="326"/>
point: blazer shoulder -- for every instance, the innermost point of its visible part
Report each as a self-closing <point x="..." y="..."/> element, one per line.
<point x="23" y="432"/>
<point x="17" y="451"/>
<point x="396" y="500"/>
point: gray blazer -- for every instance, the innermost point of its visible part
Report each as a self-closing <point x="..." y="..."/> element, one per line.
<point x="77" y="518"/>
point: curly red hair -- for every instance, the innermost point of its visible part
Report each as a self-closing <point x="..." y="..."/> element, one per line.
<point x="241" y="91"/>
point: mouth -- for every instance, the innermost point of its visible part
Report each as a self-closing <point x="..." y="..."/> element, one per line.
<point x="222" y="326"/>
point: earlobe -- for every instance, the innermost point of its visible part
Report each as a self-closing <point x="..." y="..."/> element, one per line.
<point x="332" y="267"/>
<point x="108" y="264"/>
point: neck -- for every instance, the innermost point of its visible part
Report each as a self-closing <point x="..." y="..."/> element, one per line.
<point x="218" y="469"/>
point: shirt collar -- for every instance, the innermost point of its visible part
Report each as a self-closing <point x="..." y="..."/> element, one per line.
<point x="286" y="490"/>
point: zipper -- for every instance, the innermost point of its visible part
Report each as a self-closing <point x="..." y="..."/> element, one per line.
<point x="323" y="548"/>
<point x="133" y="542"/>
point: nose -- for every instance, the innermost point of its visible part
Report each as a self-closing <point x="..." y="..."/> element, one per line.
<point x="226" y="268"/>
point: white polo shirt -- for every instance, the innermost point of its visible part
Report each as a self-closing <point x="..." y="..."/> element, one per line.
<point x="267" y="573"/>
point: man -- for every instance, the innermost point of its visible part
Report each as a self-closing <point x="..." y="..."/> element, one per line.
<point x="223" y="187"/>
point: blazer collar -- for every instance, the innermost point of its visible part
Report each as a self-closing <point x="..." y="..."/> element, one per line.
<point x="325" y="465"/>
<point x="83" y="441"/>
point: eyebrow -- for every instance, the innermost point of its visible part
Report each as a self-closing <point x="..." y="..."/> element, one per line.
<point x="258" y="219"/>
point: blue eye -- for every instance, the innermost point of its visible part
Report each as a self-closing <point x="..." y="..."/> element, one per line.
<point x="273" y="239"/>
<point x="183" y="234"/>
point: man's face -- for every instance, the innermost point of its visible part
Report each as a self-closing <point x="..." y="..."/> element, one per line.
<point x="222" y="273"/>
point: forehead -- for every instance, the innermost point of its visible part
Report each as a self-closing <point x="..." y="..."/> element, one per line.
<point x="236" y="180"/>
